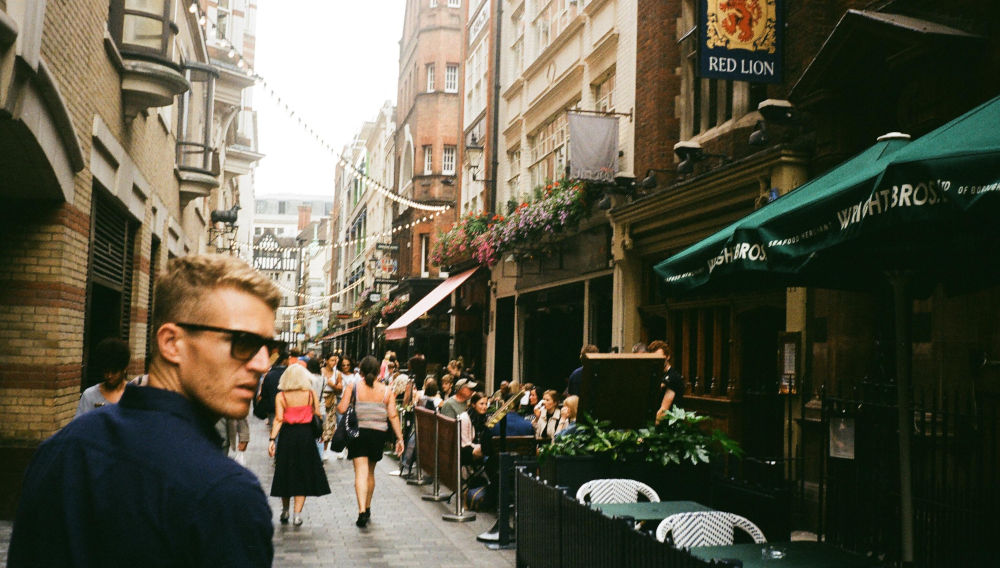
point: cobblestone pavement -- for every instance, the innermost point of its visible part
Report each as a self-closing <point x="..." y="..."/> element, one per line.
<point x="404" y="531"/>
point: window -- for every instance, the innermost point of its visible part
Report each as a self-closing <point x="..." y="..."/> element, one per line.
<point x="454" y="3"/>
<point x="517" y="49"/>
<point x="430" y="77"/>
<point x="448" y="160"/>
<point x="708" y="103"/>
<point x="425" y="242"/>
<point x="222" y="20"/>
<point x="451" y="78"/>
<point x="141" y="26"/>
<point x="434" y="3"/>
<point x="548" y="151"/>
<point x="428" y="159"/>
<point x="604" y="94"/>
<point x="700" y="337"/>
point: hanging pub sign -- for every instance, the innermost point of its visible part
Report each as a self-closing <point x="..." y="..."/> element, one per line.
<point x="740" y="40"/>
<point x="594" y="142"/>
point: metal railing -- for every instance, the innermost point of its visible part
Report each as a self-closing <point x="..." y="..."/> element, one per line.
<point x="554" y="529"/>
<point x="955" y="468"/>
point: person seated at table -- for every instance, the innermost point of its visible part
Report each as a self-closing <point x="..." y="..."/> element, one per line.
<point x="567" y="422"/>
<point x="548" y="417"/>
<point x="472" y="425"/>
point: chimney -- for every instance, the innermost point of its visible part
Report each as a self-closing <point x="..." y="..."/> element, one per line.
<point x="305" y="215"/>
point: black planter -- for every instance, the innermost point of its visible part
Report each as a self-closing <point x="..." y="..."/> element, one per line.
<point x="672" y="483"/>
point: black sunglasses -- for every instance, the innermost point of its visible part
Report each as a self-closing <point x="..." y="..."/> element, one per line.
<point x="243" y="345"/>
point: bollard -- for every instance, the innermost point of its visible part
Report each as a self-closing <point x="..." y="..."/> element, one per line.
<point x="460" y="515"/>
<point x="436" y="495"/>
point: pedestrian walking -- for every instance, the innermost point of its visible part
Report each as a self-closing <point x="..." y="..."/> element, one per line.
<point x="298" y="471"/>
<point x="375" y="406"/>
<point x="143" y="482"/>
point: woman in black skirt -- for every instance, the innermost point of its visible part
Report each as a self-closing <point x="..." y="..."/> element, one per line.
<point x="376" y="410"/>
<point x="298" y="471"/>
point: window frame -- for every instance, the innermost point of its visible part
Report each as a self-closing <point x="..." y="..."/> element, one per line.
<point x="445" y="169"/>
<point x="429" y="70"/>
<point x="428" y="158"/>
<point x="451" y="74"/>
<point x="117" y="15"/>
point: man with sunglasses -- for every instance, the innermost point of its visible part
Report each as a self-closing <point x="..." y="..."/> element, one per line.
<point x="144" y="482"/>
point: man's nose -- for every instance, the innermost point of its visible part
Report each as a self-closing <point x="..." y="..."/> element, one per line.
<point x="261" y="360"/>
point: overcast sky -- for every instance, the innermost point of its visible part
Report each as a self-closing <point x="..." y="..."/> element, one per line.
<point x="334" y="62"/>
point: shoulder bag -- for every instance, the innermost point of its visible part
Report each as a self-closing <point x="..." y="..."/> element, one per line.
<point x="317" y="421"/>
<point x="347" y="425"/>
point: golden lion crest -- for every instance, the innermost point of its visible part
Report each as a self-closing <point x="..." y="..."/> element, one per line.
<point x="741" y="24"/>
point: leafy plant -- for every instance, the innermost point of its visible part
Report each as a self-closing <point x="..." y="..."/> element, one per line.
<point x="679" y="438"/>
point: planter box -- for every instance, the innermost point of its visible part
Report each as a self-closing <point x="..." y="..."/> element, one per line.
<point x="671" y="483"/>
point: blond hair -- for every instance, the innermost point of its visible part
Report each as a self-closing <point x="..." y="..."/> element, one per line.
<point x="182" y="290"/>
<point x="573" y="403"/>
<point x="295" y="377"/>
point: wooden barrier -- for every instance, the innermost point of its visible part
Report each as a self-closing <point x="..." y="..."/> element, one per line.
<point x="447" y="447"/>
<point x="426" y="439"/>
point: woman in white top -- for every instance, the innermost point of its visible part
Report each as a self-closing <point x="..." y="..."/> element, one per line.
<point x="472" y="424"/>
<point x="548" y="417"/>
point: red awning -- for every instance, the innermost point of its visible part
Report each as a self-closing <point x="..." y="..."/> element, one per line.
<point x="398" y="328"/>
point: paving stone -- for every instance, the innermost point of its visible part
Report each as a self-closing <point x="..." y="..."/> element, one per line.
<point x="404" y="530"/>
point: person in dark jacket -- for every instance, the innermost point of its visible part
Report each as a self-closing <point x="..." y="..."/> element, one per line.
<point x="269" y="384"/>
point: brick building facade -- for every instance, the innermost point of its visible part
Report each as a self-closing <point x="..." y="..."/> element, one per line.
<point x="109" y="144"/>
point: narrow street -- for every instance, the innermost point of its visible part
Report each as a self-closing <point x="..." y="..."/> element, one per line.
<point x="405" y="530"/>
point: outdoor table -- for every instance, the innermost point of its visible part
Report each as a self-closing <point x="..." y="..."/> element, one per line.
<point x="646" y="511"/>
<point x="804" y="554"/>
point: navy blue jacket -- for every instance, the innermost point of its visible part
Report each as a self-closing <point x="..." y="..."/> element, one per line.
<point x="140" y="483"/>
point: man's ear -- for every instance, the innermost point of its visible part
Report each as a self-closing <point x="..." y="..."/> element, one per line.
<point x="167" y="338"/>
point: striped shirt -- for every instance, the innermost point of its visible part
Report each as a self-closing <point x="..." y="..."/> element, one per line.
<point x="372" y="415"/>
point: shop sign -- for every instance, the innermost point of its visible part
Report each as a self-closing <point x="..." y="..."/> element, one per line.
<point x="740" y="40"/>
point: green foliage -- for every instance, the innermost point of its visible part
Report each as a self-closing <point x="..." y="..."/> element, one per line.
<point x="678" y="438"/>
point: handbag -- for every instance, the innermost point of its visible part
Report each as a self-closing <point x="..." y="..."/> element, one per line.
<point x="317" y="421"/>
<point x="347" y="425"/>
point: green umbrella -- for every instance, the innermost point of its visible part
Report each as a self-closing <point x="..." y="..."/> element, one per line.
<point x="921" y="212"/>
<point x="741" y="255"/>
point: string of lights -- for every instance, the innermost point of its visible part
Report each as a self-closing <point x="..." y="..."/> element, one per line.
<point x="243" y="64"/>
<point x="319" y="300"/>
<point x="345" y="243"/>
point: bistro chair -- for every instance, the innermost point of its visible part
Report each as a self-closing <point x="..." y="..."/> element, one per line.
<point x="615" y="491"/>
<point x="705" y="528"/>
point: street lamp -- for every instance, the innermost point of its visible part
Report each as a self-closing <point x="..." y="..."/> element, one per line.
<point x="474" y="154"/>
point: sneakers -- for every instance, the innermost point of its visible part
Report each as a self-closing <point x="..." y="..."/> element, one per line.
<point x="326" y="455"/>
<point x="241" y="458"/>
<point x="342" y="455"/>
<point x="297" y="520"/>
<point x="284" y="517"/>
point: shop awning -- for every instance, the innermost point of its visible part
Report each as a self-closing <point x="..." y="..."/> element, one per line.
<point x="398" y="328"/>
<point x="344" y="331"/>
<point x="867" y="44"/>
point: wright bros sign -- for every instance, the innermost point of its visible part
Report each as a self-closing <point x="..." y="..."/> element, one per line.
<point x="740" y="40"/>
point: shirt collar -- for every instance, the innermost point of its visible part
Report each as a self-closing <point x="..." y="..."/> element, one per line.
<point x="160" y="400"/>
